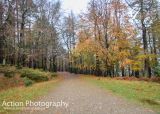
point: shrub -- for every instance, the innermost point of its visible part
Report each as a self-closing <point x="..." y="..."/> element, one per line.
<point x="9" y="73"/>
<point x="34" y="75"/>
<point x="157" y="71"/>
<point x="37" y="77"/>
<point x="53" y="75"/>
<point x="19" y="66"/>
<point x="27" y="81"/>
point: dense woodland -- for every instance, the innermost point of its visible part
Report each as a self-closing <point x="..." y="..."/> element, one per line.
<point x="111" y="38"/>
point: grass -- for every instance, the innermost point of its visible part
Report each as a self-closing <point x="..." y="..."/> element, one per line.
<point x="14" y="77"/>
<point x="7" y="83"/>
<point x="21" y="94"/>
<point x="141" y="92"/>
<point x="12" y="86"/>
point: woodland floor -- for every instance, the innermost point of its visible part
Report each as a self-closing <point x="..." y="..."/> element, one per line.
<point x="85" y="98"/>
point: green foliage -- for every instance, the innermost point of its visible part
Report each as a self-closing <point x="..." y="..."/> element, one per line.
<point x="157" y="71"/>
<point x="19" y="66"/>
<point x="35" y="75"/>
<point x="137" y="65"/>
<point x="53" y="75"/>
<point x="9" y="73"/>
<point x="27" y="81"/>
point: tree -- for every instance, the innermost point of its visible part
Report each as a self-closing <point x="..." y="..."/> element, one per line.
<point x="29" y="33"/>
<point x="143" y="8"/>
<point x="2" y="39"/>
<point x="69" y="37"/>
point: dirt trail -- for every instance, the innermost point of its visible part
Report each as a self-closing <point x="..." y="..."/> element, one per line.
<point x="84" y="98"/>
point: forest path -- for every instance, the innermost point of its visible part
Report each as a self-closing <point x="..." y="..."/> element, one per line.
<point x="84" y="98"/>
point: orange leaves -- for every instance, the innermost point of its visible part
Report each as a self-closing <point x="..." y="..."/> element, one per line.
<point x="89" y="45"/>
<point x="125" y="62"/>
<point x="123" y="54"/>
<point x="107" y="33"/>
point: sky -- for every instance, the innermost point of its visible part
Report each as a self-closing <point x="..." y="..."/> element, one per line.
<point x="75" y="5"/>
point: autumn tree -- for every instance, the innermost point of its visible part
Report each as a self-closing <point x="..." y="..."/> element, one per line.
<point x="143" y="9"/>
<point x="109" y="35"/>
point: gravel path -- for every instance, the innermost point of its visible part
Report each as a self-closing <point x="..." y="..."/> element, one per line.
<point x="84" y="98"/>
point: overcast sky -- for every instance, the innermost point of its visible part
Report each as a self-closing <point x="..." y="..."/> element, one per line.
<point x="75" y="5"/>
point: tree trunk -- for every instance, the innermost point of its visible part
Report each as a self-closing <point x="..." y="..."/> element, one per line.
<point x="145" y="44"/>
